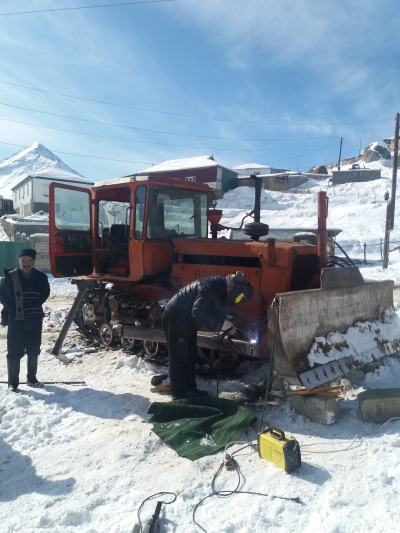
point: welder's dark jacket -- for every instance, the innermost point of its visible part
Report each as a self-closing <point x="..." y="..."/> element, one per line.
<point x="201" y="304"/>
<point x="35" y="291"/>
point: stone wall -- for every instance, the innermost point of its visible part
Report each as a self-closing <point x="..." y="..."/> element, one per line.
<point x="276" y="183"/>
<point x="355" y="176"/>
<point x="15" y="227"/>
<point x="40" y="243"/>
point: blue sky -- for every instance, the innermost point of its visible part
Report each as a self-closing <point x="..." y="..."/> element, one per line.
<point x="272" y="82"/>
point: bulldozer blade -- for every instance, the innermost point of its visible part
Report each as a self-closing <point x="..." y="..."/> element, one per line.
<point x="296" y="318"/>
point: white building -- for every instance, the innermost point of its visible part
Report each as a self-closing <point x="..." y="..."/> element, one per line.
<point x="31" y="194"/>
<point x="252" y="168"/>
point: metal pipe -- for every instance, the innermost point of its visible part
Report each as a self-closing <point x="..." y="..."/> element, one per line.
<point x="390" y="208"/>
<point x="257" y="198"/>
<point x="345" y="254"/>
<point x="322" y="216"/>
<point x="68" y="322"/>
<point x="394" y="171"/>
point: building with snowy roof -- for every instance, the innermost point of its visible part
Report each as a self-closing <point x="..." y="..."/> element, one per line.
<point x="258" y="170"/>
<point x="202" y="169"/>
<point x="31" y="193"/>
<point x="252" y="168"/>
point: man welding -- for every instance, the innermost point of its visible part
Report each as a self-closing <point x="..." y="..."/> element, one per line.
<point x="199" y="305"/>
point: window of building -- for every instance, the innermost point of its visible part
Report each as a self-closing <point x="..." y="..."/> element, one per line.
<point x="45" y="190"/>
<point x="190" y="178"/>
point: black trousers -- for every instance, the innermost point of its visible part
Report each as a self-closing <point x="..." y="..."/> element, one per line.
<point x="23" y="336"/>
<point x="182" y="353"/>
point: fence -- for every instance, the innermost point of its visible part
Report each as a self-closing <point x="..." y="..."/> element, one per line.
<point x="365" y="245"/>
<point x="9" y="252"/>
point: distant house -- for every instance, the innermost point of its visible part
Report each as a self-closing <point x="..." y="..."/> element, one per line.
<point x="276" y="182"/>
<point x="258" y="170"/>
<point x="6" y="206"/>
<point x="31" y="194"/>
<point x="252" y="168"/>
<point x="203" y="169"/>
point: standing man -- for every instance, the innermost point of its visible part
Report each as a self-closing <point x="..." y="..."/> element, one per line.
<point x="22" y="293"/>
<point x="199" y="305"/>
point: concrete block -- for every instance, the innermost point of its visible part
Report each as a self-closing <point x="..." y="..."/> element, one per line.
<point x="379" y="405"/>
<point x="321" y="410"/>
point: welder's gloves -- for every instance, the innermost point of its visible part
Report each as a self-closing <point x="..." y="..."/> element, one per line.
<point x="228" y="329"/>
<point x="227" y="325"/>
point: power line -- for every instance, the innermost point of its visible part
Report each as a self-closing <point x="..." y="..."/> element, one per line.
<point x="86" y="7"/>
<point x="145" y="142"/>
<point x="185" y="115"/>
<point x="173" y="133"/>
<point x="146" y="163"/>
<point x="302" y="155"/>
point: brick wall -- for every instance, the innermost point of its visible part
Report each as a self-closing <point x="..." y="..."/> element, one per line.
<point x="40" y="243"/>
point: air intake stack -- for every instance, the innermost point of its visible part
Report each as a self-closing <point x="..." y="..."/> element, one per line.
<point x="256" y="229"/>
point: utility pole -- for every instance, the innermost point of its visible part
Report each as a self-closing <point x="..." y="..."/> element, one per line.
<point x="340" y="153"/>
<point x="359" y="152"/>
<point x="390" y="208"/>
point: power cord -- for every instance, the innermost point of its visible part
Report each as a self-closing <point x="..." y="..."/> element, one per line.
<point x="271" y="361"/>
<point x="349" y="447"/>
<point x="150" y="498"/>
<point x="231" y="464"/>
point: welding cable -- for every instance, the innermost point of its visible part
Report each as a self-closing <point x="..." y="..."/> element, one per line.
<point x="387" y="422"/>
<point x="248" y="444"/>
<point x="349" y="447"/>
<point x="150" y="498"/>
<point x="226" y="493"/>
<point x="270" y="369"/>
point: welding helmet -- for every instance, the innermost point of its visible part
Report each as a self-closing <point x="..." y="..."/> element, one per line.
<point x="240" y="289"/>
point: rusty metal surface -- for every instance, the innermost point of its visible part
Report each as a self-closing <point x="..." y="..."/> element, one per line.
<point x="304" y="315"/>
<point x="204" y="339"/>
<point x="340" y="277"/>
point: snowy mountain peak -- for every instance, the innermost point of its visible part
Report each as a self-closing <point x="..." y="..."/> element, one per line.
<point x="33" y="159"/>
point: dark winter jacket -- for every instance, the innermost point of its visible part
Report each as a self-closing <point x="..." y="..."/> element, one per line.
<point x="201" y="304"/>
<point x="35" y="291"/>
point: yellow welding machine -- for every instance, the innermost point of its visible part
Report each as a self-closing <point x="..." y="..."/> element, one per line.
<point x="279" y="449"/>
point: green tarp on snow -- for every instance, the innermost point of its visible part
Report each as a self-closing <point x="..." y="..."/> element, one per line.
<point x="199" y="426"/>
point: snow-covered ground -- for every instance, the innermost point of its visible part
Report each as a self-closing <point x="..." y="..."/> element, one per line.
<point x="77" y="458"/>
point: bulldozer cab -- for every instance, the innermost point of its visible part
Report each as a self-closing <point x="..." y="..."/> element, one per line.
<point x="89" y="231"/>
<point x="122" y="230"/>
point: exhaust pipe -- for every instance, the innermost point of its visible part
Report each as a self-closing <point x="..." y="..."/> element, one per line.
<point x="322" y="216"/>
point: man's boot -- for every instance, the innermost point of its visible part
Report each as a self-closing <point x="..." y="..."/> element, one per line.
<point x="31" y="364"/>
<point x="13" y="366"/>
